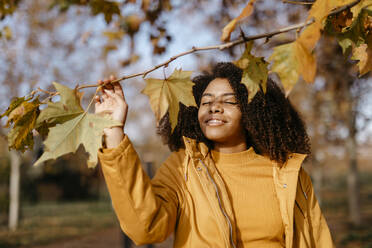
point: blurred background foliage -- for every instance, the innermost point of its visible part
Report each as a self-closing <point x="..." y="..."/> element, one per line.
<point x="79" y="41"/>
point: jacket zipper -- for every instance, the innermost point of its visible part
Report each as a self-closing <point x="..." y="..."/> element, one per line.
<point x="219" y="203"/>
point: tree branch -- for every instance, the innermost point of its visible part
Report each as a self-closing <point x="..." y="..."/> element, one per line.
<point x="225" y="45"/>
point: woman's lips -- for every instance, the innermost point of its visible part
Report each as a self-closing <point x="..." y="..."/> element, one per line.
<point x="214" y="122"/>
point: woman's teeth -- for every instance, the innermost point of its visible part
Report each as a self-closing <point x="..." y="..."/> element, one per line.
<point x="215" y="122"/>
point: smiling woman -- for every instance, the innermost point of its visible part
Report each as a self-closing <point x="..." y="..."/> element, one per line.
<point x="234" y="179"/>
<point x="220" y="117"/>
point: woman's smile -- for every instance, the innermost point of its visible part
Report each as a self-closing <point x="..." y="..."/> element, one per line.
<point x="215" y="121"/>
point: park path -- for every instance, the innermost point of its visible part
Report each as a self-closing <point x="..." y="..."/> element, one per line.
<point x="111" y="238"/>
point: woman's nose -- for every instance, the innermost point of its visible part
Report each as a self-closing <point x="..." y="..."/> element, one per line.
<point x="216" y="107"/>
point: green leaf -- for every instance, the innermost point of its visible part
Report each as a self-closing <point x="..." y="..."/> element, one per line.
<point x="165" y="95"/>
<point x="255" y="71"/>
<point x="65" y="109"/>
<point x="85" y="129"/>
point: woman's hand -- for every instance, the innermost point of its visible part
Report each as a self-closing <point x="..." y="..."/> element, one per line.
<point x="112" y="102"/>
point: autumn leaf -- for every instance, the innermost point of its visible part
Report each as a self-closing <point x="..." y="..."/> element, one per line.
<point x="227" y="30"/>
<point x="363" y="53"/>
<point x="310" y="36"/>
<point x="319" y="11"/>
<point x="165" y="95"/>
<point x="85" y="129"/>
<point x="355" y="34"/>
<point x="65" y="109"/>
<point x="254" y="71"/>
<point x="292" y="60"/>
<point x="23" y="119"/>
<point x="13" y="105"/>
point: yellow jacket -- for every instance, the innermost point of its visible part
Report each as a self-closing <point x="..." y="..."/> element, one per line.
<point x="188" y="197"/>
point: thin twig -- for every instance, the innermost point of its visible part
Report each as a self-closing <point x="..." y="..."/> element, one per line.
<point x="297" y="2"/>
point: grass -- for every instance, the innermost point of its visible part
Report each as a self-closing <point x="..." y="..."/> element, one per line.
<point x="47" y="222"/>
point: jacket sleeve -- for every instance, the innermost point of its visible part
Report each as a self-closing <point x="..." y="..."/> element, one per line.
<point x="319" y="232"/>
<point x="147" y="210"/>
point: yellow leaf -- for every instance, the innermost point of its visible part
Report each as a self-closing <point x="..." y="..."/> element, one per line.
<point x="306" y="62"/>
<point x="285" y="64"/>
<point x="363" y="53"/>
<point x="310" y="36"/>
<point x="227" y="30"/>
<point x="165" y="95"/>
<point x="292" y="60"/>
<point x="84" y="129"/>
<point x="254" y="71"/>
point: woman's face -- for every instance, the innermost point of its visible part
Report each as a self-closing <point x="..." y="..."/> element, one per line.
<point x="220" y="116"/>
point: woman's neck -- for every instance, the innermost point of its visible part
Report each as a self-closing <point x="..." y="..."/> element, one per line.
<point x="233" y="148"/>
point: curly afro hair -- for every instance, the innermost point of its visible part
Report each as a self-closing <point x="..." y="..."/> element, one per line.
<point x="272" y="126"/>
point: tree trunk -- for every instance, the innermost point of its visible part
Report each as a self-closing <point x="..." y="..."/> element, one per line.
<point x="15" y="164"/>
<point x="352" y="176"/>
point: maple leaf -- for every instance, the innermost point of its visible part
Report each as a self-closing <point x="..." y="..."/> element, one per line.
<point x="363" y="53"/>
<point x="85" y="129"/>
<point x="254" y="71"/>
<point x="227" y="30"/>
<point x="292" y="60"/>
<point x="65" y="109"/>
<point x="23" y="118"/>
<point x="165" y="95"/>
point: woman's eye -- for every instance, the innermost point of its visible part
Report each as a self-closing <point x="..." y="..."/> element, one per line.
<point x="230" y="102"/>
<point x="206" y="103"/>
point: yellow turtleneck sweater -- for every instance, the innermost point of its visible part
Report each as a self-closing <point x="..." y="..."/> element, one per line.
<point x="249" y="181"/>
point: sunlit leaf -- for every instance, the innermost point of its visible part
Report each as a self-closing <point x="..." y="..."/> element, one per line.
<point x="65" y="109"/>
<point x="13" y="104"/>
<point x="85" y="129"/>
<point x="363" y="53"/>
<point x="23" y="119"/>
<point x="254" y="71"/>
<point x="227" y="30"/>
<point x="165" y="95"/>
<point x="292" y="60"/>
<point x="310" y="36"/>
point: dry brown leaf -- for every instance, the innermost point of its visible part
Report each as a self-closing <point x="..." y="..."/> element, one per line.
<point x="227" y="30"/>
<point x="363" y="53"/>
<point x="342" y="20"/>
